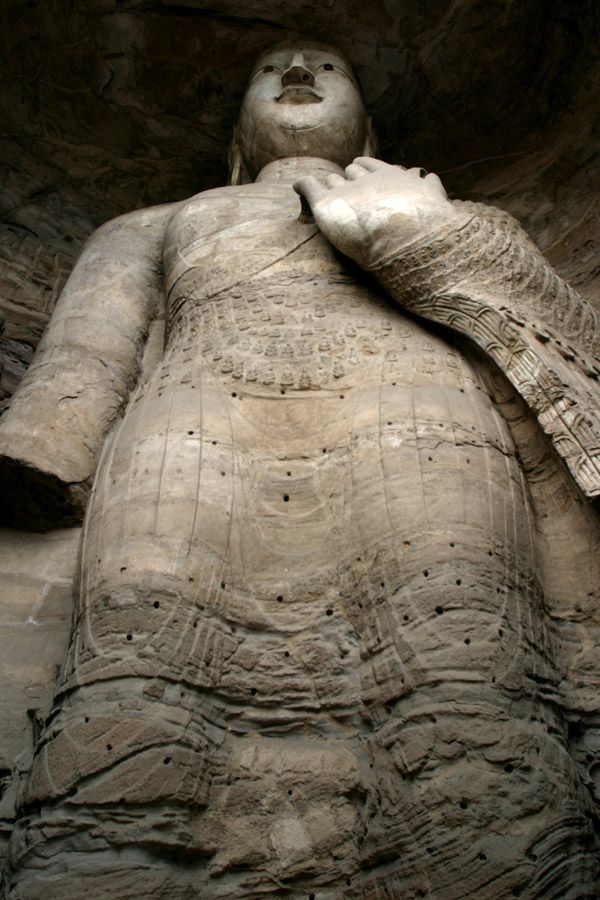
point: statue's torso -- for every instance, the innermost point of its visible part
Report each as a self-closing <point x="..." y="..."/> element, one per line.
<point x="303" y="445"/>
<point x="307" y="584"/>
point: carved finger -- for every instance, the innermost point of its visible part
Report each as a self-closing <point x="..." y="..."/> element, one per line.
<point x="309" y="187"/>
<point x="418" y="170"/>
<point x="370" y="163"/>
<point x="334" y="179"/>
<point x="434" y="182"/>
<point x="354" y="171"/>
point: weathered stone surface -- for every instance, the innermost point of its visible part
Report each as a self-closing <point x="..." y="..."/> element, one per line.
<point x="336" y="628"/>
<point x="36" y="586"/>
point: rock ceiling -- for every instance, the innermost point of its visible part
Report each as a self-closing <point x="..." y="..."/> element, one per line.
<point x="110" y="105"/>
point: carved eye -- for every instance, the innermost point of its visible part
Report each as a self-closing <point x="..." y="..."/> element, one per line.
<point x="328" y="67"/>
<point x="268" y="69"/>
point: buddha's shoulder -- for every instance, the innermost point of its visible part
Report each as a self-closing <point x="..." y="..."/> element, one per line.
<point x="252" y="194"/>
<point x="236" y="200"/>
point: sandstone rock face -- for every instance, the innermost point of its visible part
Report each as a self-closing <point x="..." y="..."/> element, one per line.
<point x="36" y="585"/>
<point x="335" y="629"/>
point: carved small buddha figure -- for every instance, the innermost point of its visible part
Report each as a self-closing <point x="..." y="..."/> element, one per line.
<point x="313" y="650"/>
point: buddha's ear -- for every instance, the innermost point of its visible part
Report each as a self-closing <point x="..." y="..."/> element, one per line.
<point x="371" y="147"/>
<point x="237" y="170"/>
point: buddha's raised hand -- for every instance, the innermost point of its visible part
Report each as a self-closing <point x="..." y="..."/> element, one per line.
<point x="375" y="211"/>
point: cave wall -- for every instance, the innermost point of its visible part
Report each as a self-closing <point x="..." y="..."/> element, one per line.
<point x="110" y="106"/>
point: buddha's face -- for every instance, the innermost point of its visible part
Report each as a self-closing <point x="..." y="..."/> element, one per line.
<point x="302" y="100"/>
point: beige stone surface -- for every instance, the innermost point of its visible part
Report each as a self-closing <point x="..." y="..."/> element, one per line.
<point x="36" y="591"/>
<point x="335" y="623"/>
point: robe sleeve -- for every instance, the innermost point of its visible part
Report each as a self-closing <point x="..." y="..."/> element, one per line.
<point x="485" y="279"/>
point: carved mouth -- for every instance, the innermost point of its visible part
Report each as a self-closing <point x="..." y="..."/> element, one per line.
<point x="298" y="94"/>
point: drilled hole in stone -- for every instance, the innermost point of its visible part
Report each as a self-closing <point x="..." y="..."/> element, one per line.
<point x="129" y="637"/>
<point x="509" y="768"/>
<point x="426" y="573"/>
<point x="109" y="747"/>
<point x="195" y="624"/>
<point x="223" y="474"/>
<point x="324" y="449"/>
<point x="166" y="760"/>
<point x="452" y="543"/>
<point x="289" y="474"/>
<point x="467" y="640"/>
<point x="280" y="599"/>
<point x="253" y="691"/>
<point x="500" y="632"/>
<point x="430" y="849"/>
<point x="490" y="553"/>
<point x="493" y="679"/>
<point x="289" y="793"/>
<point x="328" y="612"/>
<point x="123" y="569"/>
<point x="190" y="432"/>
<point x="464" y="804"/>
<point x="430" y="458"/>
<point x="405" y="618"/>
<point x="468" y="461"/>
<point x="156" y="604"/>
<point x="190" y="580"/>
<point x="341" y="396"/>
<point x="406" y="543"/>
<point x="482" y="857"/>
<point x="458" y="581"/>
<point x="287" y="653"/>
<point x="389" y="423"/>
<point x="282" y="391"/>
<point x="86" y="718"/>
<point x="233" y="394"/>
<point x="516" y="892"/>
<point x="223" y="585"/>
<point x="439" y="610"/>
<point x="286" y="498"/>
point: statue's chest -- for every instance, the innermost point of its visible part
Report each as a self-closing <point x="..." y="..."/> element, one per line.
<point x="264" y="301"/>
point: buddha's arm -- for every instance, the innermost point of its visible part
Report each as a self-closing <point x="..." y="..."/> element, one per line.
<point x="81" y="374"/>
<point x="481" y="277"/>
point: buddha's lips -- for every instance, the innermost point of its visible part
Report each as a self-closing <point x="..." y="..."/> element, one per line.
<point x="298" y="94"/>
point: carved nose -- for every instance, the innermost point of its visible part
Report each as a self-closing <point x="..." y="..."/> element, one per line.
<point x="298" y="75"/>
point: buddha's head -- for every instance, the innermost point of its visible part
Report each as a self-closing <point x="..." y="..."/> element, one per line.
<point x="303" y="99"/>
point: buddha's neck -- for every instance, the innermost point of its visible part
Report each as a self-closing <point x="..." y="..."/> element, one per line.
<point x="286" y="171"/>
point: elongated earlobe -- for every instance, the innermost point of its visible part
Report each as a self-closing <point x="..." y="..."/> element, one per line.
<point x="237" y="170"/>
<point x="371" y="147"/>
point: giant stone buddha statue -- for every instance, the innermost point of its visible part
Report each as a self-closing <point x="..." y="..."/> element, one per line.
<point x="329" y="540"/>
